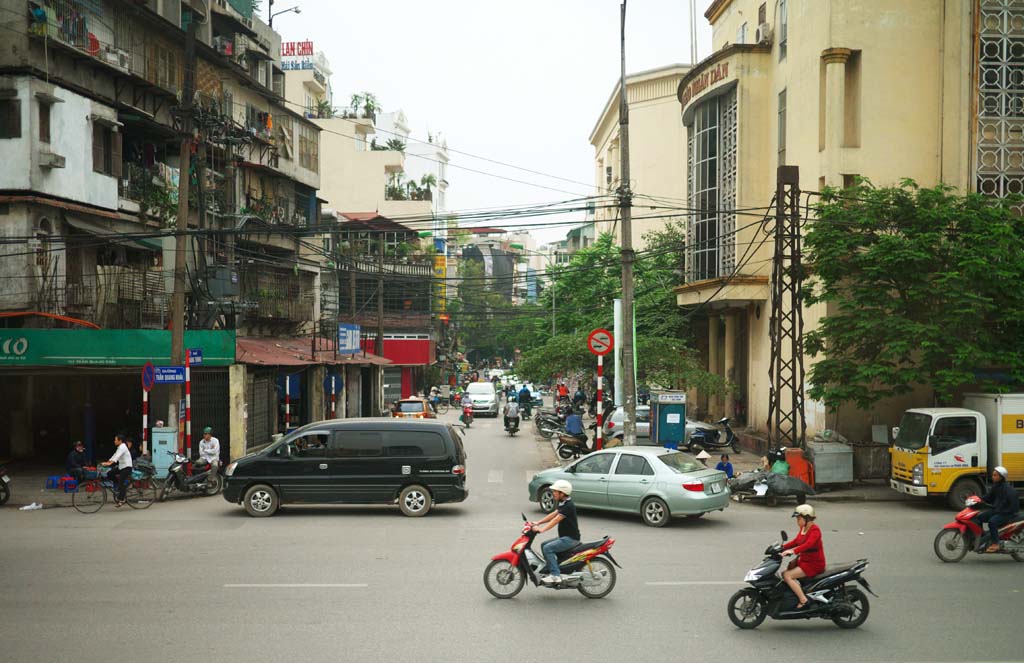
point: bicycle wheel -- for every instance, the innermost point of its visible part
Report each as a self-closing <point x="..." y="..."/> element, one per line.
<point x="90" y="497"/>
<point x="141" y="494"/>
<point x="442" y="407"/>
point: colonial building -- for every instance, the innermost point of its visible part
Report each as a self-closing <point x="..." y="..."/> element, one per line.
<point x="925" y="89"/>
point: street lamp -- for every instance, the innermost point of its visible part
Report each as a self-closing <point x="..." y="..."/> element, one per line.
<point x="270" y="10"/>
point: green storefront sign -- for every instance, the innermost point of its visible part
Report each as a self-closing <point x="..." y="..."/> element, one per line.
<point x="108" y="347"/>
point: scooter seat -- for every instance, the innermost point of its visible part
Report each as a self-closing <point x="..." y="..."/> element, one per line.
<point x="575" y="550"/>
<point x="832" y="570"/>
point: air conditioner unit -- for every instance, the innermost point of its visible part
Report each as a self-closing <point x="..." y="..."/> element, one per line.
<point x="763" y="36"/>
<point x="50" y="160"/>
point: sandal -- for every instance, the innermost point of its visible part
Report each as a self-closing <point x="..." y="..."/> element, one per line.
<point x="800" y="606"/>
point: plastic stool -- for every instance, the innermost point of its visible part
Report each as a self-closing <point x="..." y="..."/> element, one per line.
<point x="53" y="482"/>
<point x="71" y="486"/>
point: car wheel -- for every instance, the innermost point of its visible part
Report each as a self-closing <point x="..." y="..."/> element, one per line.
<point x="261" y="501"/>
<point x="546" y="499"/>
<point x="655" y="512"/>
<point x="415" y="501"/>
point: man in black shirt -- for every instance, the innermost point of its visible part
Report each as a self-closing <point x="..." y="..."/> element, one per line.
<point x="76" y="461"/>
<point x="1005" y="505"/>
<point x="568" y="530"/>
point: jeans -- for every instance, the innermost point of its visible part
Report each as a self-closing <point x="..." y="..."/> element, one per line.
<point x="550" y="550"/>
<point x="995" y="521"/>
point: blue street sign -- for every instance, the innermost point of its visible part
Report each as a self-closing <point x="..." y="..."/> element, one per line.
<point x="348" y="339"/>
<point x="169" y="375"/>
<point x="195" y="356"/>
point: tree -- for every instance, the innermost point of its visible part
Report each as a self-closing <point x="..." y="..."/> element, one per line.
<point x="923" y="287"/>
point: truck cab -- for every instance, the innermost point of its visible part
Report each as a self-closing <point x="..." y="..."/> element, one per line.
<point x="940" y="452"/>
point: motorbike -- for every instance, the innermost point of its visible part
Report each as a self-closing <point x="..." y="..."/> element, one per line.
<point x="549" y="426"/>
<point x="964" y="534"/>
<point x="467" y="415"/>
<point x="570" y="446"/>
<point x="828" y="594"/>
<point x="512" y="426"/>
<point x="191" y="478"/>
<point x="706" y="439"/>
<point x="588" y="567"/>
<point x="5" y="489"/>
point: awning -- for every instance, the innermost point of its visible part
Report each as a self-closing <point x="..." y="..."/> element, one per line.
<point x="297" y="352"/>
<point x="126" y="239"/>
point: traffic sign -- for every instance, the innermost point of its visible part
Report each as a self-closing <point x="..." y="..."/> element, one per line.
<point x="195" y="356"/>
<point x="148" y="376"/>
<point x="169" y="374"/>
<point x="600" y="342"/>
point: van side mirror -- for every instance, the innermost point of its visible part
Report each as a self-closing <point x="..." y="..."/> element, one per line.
<point x="895" y="432"/>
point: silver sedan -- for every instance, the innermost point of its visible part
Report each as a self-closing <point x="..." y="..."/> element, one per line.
<point x="654" y="482"/>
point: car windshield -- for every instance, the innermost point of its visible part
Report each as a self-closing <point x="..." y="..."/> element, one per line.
<point x="681" y="463"/>
<point x="914" y="429"/>
<point x="480" y="389"/>
<point x="410" y="406"/>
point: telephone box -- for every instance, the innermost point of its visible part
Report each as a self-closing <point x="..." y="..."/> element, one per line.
<point x="668" y="418"/>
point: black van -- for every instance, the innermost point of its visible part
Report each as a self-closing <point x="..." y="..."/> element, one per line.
<point x="417" y="463"/>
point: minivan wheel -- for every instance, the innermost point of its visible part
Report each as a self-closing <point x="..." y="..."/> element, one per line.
<point x="415" y="501"/>
<point x="261" y="501"/>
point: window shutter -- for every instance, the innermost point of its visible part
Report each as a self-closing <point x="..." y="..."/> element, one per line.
<point x="115" y="154"/>
<point x="97" y="147"/>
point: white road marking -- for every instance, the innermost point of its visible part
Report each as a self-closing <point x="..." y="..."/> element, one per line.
<point x="676" y="583"/>
<point x="275" y="585"/>
<point x="495" y="476"/>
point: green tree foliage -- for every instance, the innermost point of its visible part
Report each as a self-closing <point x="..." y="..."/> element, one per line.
<point x="923" y="287"/>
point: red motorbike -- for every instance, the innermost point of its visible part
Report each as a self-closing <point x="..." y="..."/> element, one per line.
<point x="588" y="567"/>
<point x="467" y="415"/>
<point x="962" y="535"/>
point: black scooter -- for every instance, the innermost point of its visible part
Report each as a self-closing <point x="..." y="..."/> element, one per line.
<point x="828" y="596"/>
<point x="512" y="425"/>
<point x="190" y="478"/>
<point x="706" y="439"/>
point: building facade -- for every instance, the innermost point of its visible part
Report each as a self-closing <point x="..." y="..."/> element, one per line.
<point x="923" y="89"/>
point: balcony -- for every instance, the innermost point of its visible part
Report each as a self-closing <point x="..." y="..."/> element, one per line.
<point x="269" y="295"/>
<point x="270" y="307"/>
<point x="115" y="298"/>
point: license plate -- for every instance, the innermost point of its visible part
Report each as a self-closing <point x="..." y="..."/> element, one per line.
<point x="716" y="487"/>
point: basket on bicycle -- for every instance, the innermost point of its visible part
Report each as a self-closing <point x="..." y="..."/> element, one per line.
<point x="92" y="472"/>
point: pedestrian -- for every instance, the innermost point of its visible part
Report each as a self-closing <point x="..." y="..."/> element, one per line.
<point x="121" y="469"/>
<point x="76" y="461"/>
<point x="209" y="449"/>
<point x="133" y="448"/>
<point x="703" y="457"/>
<point x="725" y="466"/>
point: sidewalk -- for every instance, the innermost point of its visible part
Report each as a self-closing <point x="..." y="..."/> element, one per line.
<point x="28" y="485"/>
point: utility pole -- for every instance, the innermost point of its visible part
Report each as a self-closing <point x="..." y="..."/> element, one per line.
<point x="181" y="228"/>
<point x="626" y="211"/>
<point x="378" y="346"/>
<point x="786" y="326"/>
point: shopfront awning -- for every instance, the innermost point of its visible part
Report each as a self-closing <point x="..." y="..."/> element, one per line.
<point x="101" y="229"/>
<point x="297" y="352"/>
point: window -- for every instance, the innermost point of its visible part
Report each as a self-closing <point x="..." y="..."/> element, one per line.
<point x="411" y="407"/>
<point x="311" y="445"/>
<point x="309" y="148"/>
<point x="782" y="128"/>
<point x="10" y="115"/>
<point x="106" y="149"/>
<point x="741" y="34"/>
<point x="598" y="464"/>
<point x="404" y="444"/>
<point x="634" y="465"/>
<point x="783" y="28"/>
<point x="705" y="165"/>
<point x="851" y="101"/>
<point x="849" y="180"/>
<point x="952" y="432"/>
<point x="357" y="444"/>
<point x="44" y="122"/>
<point x="681" y="463"/>
<point x="762" y="14"/>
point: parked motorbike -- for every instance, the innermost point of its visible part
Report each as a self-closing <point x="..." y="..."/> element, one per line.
<point x="828" y="596"/>
<point x="467" y="415"/>
<point x="707" y="439"/>
<point x="549" y="426"/>
<point x="512" y="425"/>
<point x="964" y="534"/>
<point x="571" y="447"/>
<point x="588" y="567"/>
<point x="5" y="489"/>
<point x="191" y="478"/>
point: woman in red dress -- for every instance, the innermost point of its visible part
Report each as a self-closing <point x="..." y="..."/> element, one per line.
<point x="807" y="544"/>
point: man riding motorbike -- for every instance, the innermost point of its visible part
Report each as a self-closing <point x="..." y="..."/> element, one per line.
<point x="525" y="399"/>
<point x="574" y="427"/>
<point x="1005" y="507"/>
<point x="564" y="516"/>
<point x="511" y="414"/>
<point x="579" y="398"/>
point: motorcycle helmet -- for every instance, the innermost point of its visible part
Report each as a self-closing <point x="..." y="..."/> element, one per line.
<point x="562" y="486"/>
<point x="1003" y="471"/>
<point x="805" y="510"/>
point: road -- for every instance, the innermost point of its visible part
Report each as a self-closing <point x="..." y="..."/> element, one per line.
<point x="366" y="584"/>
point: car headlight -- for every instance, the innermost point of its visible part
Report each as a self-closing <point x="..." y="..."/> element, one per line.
<point x="230" y="469"/>
<point x="917" y="474"/>
<point x="751" y="576"/>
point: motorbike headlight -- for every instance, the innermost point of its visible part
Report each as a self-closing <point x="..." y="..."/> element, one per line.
<point x="230" y="469"/>
<point x="917" y="474"/>
<point x="751" y="576"/>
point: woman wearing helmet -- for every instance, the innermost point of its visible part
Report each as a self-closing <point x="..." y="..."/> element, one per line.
<point x="1005" y="506"/>
<point x="568" y="530"/>
<point x="807" y="544"/>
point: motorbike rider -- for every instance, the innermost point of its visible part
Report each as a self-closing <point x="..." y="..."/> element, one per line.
<point x="574" y="427"/>
<point x="807" y="544"/>
<point x="563" y="391"/>
<point x="579" y="398"/>
<point x="1005" y="507"/>
<point x="511" y="413"/>
<point x="525" y="398"/>
<point x="209" y="449"/>
<point x="564" y="516"/>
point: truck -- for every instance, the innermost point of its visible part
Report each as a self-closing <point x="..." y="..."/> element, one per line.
<point x="946" y="452"/>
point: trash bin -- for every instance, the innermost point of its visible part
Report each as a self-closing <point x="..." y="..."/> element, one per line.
<point x="799" y="466"/>
<point x="833" y="462"/>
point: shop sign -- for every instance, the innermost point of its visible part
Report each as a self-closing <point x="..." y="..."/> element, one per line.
<point x="348" y="339"/>
<point x="704" y="80"/>
<point x="108" y="347"/>
<point x="296" y="49"/>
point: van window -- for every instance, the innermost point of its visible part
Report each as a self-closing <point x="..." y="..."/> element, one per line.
<point x="310" y="445"/>
<point x="406" y="444"/>
<point x="952" y="432"/>
<point x="356" y="444"/>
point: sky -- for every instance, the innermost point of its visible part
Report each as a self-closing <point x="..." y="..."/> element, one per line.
<point x="517" y="82"/>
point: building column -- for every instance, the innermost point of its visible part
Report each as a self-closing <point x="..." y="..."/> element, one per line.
<point x="730" y="363"/>
<point x="238" y="410"/>
<point x="834" y="60"/>
<point x="712" y="405"/>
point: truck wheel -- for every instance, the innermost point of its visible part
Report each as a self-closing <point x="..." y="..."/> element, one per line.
<point x="961" y="490"/>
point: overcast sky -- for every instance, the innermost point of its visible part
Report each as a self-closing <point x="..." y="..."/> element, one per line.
<point x="519" y="82"/>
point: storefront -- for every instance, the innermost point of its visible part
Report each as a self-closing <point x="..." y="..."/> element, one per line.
<point x="408" y="355"/>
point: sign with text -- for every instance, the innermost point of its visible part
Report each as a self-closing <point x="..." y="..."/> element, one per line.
<point x="296" y="49"/>
<point x="169" y="375"/>
<point x="195" y="356"/>
<point x="348" y="339"/>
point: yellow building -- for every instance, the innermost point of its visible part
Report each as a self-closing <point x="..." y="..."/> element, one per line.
<point x="927" y="89"/>
<point x="656" y="146"/>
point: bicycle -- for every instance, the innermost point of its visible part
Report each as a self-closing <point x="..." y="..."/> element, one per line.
<point x="91" y="494"/>
<point x="441" y="406"/>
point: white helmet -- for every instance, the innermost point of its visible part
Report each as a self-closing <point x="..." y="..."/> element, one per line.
<point x="562" y="486"/>
<point x="805" y="510"/>
<point x="1002" y="470"/>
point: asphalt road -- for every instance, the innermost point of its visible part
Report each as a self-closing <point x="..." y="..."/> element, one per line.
<point x="200" y="578"/>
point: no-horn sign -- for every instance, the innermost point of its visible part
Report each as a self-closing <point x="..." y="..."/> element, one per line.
<point x="600" y="342"/>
